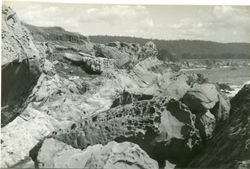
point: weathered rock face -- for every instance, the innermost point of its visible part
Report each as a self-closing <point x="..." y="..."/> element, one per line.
<point x="165" y="129"/>
<point x="21" y="63"/>
<point x="65" y="94"/>
<point x="60" y="98"/>
<point x="229" y="147"/>
<point x="56" y="154"/>
<point x="92" y="94"/>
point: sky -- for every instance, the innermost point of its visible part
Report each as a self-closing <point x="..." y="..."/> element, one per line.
<point x="169" y="22"/>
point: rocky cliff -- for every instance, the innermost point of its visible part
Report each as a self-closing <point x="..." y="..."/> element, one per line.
<point x="110" y="106"/>
<point x="21" y="63"/>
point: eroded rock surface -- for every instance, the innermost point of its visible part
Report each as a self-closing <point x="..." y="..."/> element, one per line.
<point x="56" y="154"/>
<point x="89" y="94"/>
<point x="65" y="94"/>
<point x="156" y="125"/>
<point x="229" y="147"/>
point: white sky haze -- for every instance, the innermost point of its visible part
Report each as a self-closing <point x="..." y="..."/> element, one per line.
<point x="215" y="23"/>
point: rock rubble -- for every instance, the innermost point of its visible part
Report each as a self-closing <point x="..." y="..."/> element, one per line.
<point x="86" y="105"/>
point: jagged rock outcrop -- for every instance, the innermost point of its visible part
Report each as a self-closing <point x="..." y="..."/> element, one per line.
<point x="158" y="126"/>
<point x="62" y="98"/>
<point x="132" y="48"/>
<point x="122" y="57"/>
<point x="92" y="94"/>
<point x="56" y="154"/>
<point x="21" y="65"/>
<point x="148" y="50"/>
<point x="126" y="54"/>
<point x="229" y="147"/>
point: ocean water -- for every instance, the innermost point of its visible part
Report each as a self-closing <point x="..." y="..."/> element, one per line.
<point x="225" y="75"/>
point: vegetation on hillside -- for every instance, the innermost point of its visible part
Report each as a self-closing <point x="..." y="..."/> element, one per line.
<point x="188" y="49"/>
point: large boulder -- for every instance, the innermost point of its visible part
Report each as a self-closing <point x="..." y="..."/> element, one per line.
<point x="210" y="107"/>
<point x="75" y="58"/>
<point x="164" y="128"/>
<point x="90" y="64"/>
<point x="201" y="98"/>
<point x="204" y="97"/>
<point x="229" y="147"/>
<point x="56" y="154"/>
